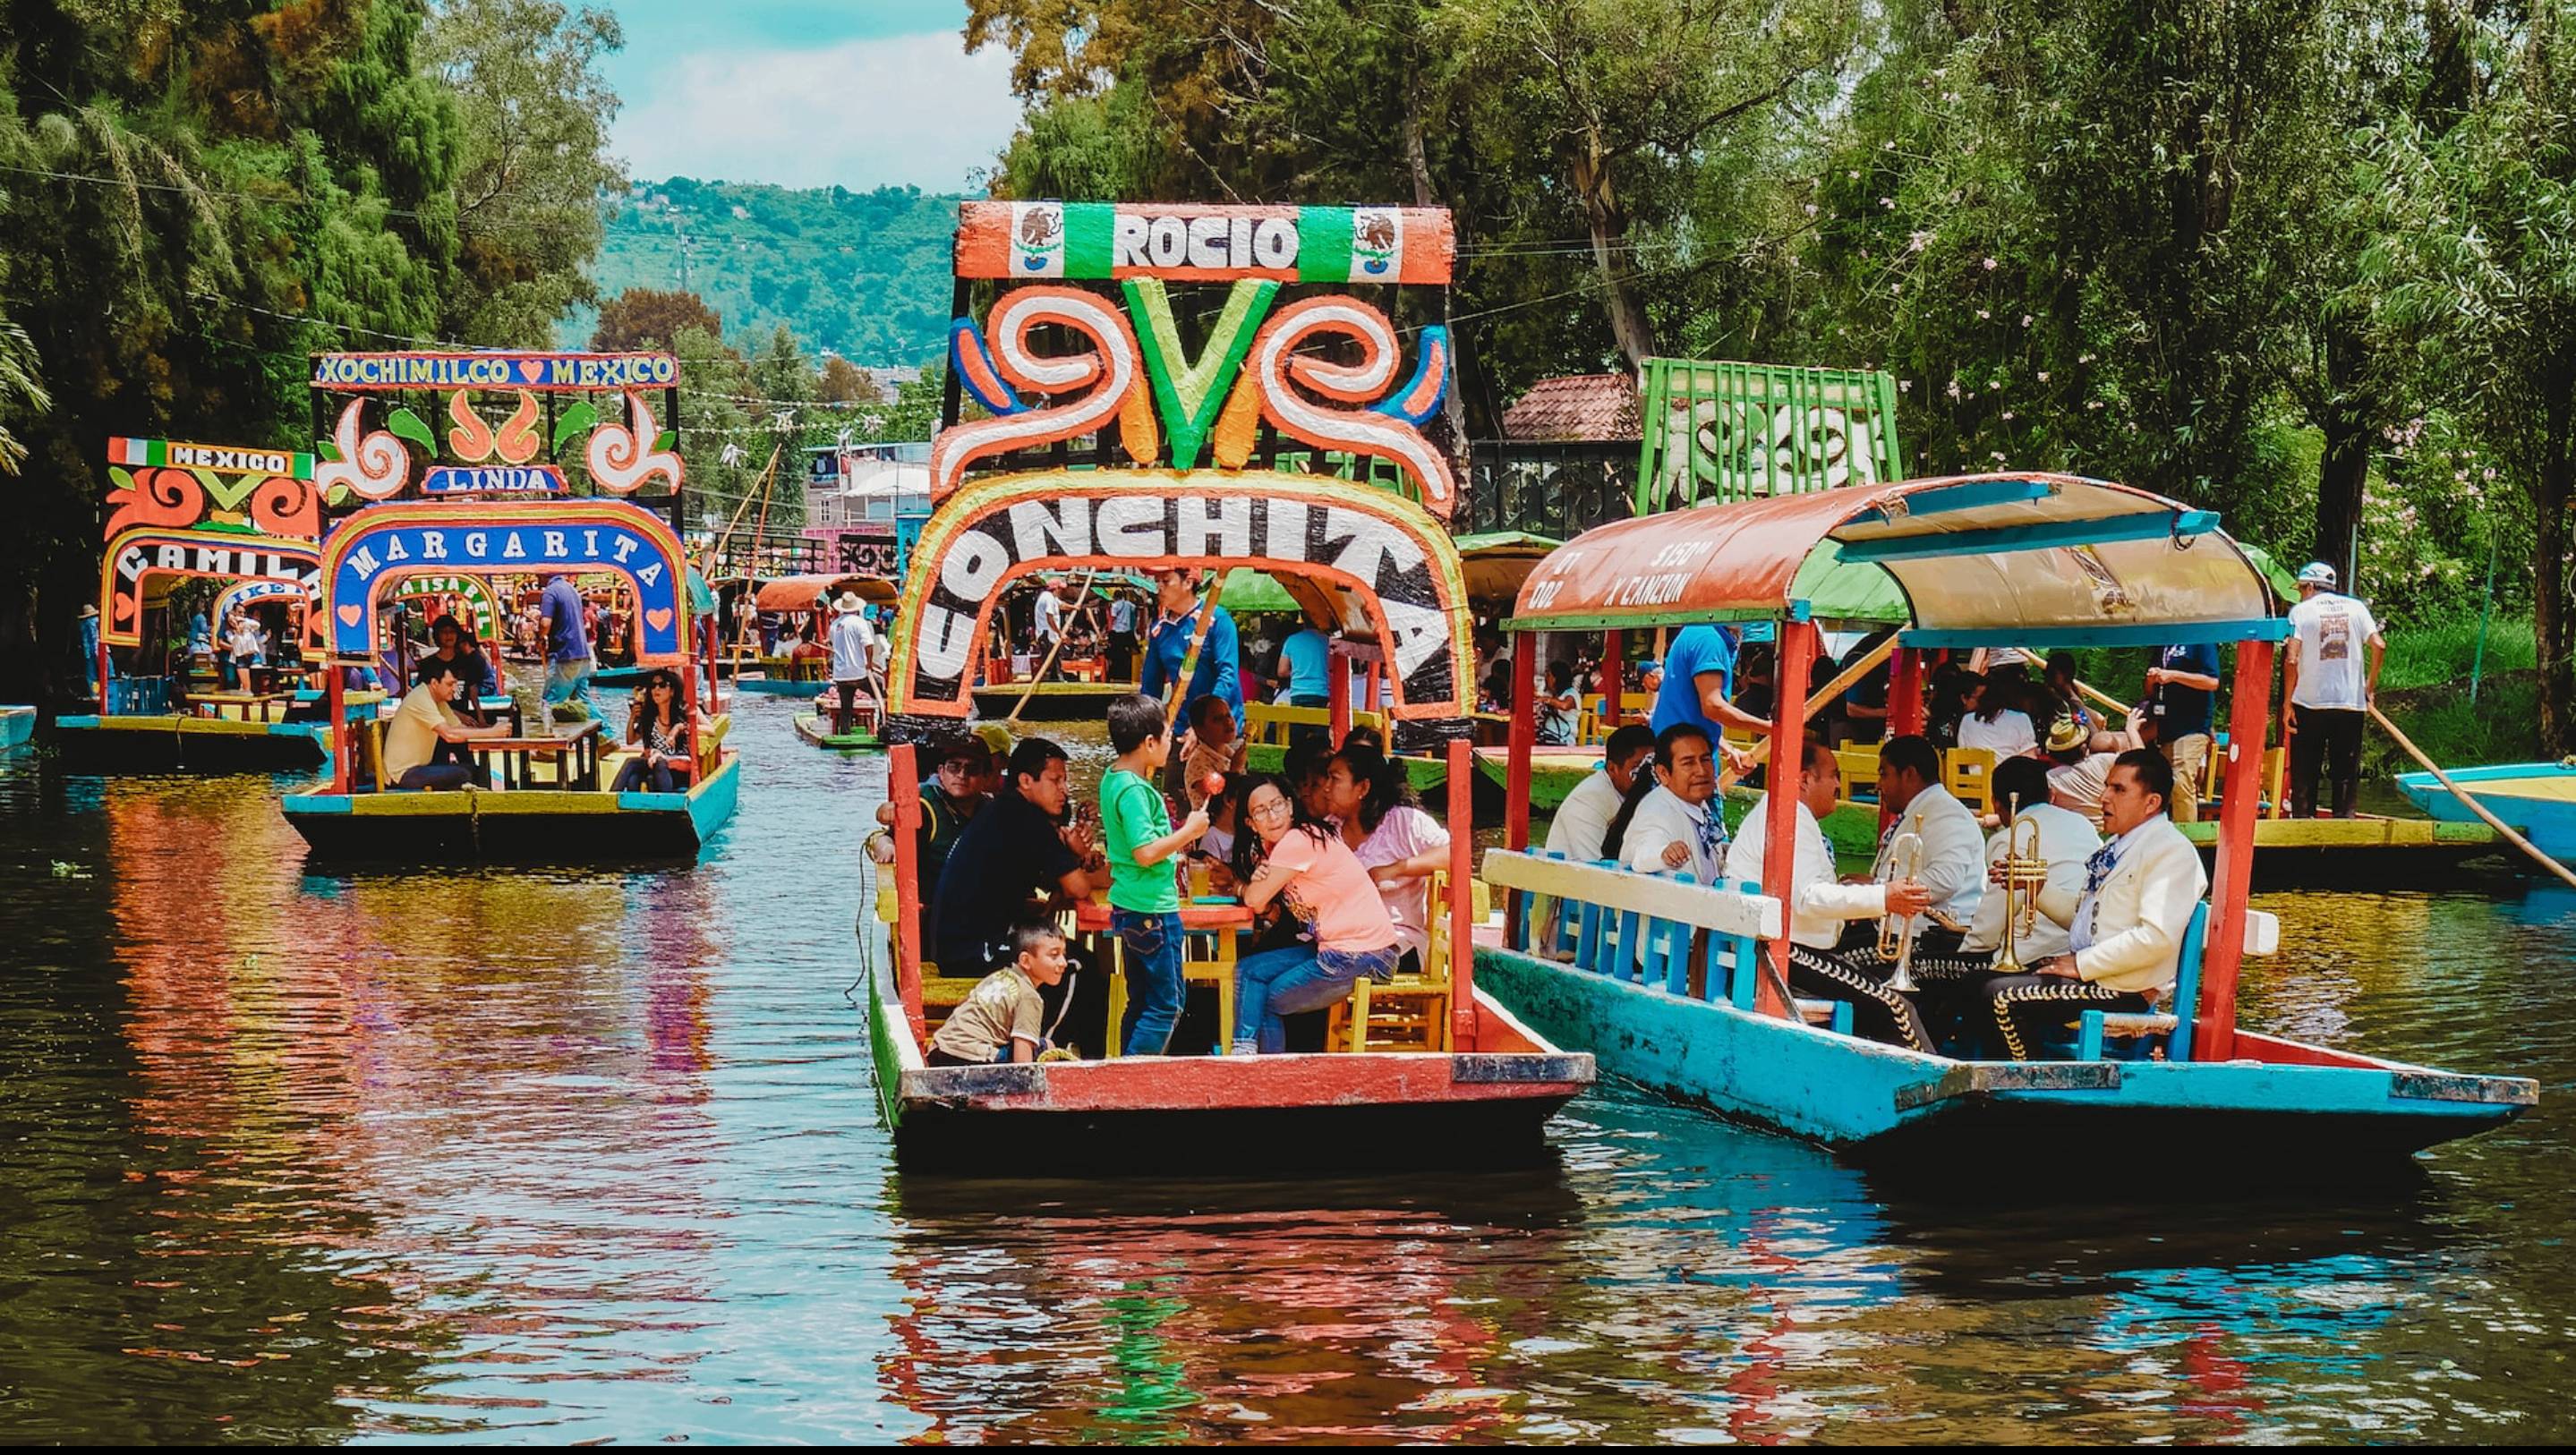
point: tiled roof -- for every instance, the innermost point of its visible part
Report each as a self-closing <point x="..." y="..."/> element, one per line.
<point x="1576" y="407"/>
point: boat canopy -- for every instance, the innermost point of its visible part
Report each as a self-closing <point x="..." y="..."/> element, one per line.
<point x="1983" y="560"/>
<point x="801" y="593"/>
<point x="1497" y="562"/>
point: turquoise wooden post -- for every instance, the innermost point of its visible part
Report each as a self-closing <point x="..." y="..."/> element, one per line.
<point x="1587" y="942"/>
<point x="1628" y="945"/>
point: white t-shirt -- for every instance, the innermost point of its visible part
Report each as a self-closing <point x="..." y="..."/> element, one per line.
<point x="2009" y="735"/>
<point x="1050" y="616"/>
<point x="1583" y="820"/>
<point x="1662" y="818"/>
<point x="413" y="734"/>
<point x="852" y="640"/>
<point x="2328" y="631"/>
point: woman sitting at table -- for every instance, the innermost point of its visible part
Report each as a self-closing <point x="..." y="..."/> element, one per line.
<point x="661" y="733"/>
<point x="475" y="679"/>
<point x="1307" y="869"/>
<point x="1400" y="846"/>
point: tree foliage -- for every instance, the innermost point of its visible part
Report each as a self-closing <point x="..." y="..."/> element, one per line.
<point x="652" y="318"/>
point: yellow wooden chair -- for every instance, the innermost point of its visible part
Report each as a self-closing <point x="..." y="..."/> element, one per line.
<point x="1859" y="765"/>
<point x="1410" y="1012"/>
<point x="1969" y="774"/>
<point x="1207" y="958"/>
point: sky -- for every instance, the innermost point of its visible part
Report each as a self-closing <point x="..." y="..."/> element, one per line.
<point x="807" y="93"/>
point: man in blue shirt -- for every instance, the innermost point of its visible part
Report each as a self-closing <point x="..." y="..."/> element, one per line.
<point x="2180" y="690"/>
<point x="1305" y="658"/>
<point x="1699" y="675"/>
<point x="1122" y="637"/>
<point x="567" y="646"/>
<point x="1167" y="642"/>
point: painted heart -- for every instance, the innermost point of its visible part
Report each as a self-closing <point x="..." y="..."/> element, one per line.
<point x="353" y="613"/>
<point x="659" y="618"/>
<point x="530" y="370"/>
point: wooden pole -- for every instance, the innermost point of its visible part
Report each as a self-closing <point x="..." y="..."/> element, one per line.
<point x="2473" y="806"/>
<point x="1612" y="681"/>
<point x="335" y="702"/>
<point x="1190" y="660"/>
<point x="1797" y="659"/>
<point x="1905" y="707"/>
<point x="2106" y="699"/>
<point x="1049" y="664"/>
<point x="2213" y="1036"/>
<point x="1462" y="895"/>
<point x="1523" y="739"/>
<point x="1761" y="751"/>
<point x="1337" y="695"/>
<point x="903" y="782"/>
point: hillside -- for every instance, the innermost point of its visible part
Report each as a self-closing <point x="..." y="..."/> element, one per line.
<point x="864" y="274"/>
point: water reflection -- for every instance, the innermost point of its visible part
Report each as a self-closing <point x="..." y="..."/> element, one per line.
<point x="588" y="1156"/>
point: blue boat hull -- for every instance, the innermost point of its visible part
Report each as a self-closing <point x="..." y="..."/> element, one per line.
<point x="532" y="826"/>
<point x="2550" y="824"/>
<point x="1899" y="1110"/>
<point x="17" y="724"/>
<point x="161" y="743"/>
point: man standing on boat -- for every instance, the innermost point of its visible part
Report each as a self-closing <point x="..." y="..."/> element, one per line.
<point x="567" y="646"/>
<point x="1699" y="683"/>
<point x="1167" y="643"/>
<point x="2125" y="942"/>
<point x="1819" y="906"/>
<point x="1122" y="637"/>
<point x="1047" y="618"/>
<point x="2180" y="690"/>
<point x="2327" y="691"/>
<point x="853" y="643"/>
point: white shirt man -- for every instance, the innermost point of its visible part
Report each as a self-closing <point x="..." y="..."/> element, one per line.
<point x="1818" y="906"/>
<point x="2125" y="937"/>
<point x="2329" y="633"/>
<point x="1583" y="820"/>
<point x="1050" y="618"/>
<point x="2066" y="840"/>
<point x="852" y="641"/>
<point x="1677" y="829"/>
<point x="1953" y="868"/>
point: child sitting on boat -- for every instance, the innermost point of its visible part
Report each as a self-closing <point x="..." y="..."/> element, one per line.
<point x="1144" y="894"/>
<point x="1003" y="1018"/>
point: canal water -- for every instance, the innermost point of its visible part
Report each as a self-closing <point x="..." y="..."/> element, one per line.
<point x="593" y="1156"/>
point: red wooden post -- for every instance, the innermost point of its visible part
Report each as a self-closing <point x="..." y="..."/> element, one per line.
<point x="1521" y="740"/>
<point x="335" y="702"/>
<point x="1905" y="692"/>
<point x="2213" y="1036"/>
<point x="104" y="670"/>
<point x="1797" y="659"/>
<point x="1376" y="698"/>
<point x="1612" y="680"/>
<point x="903" y="785"/>
<point x="1462" y="894"/>
<point x="1337" y="696"/>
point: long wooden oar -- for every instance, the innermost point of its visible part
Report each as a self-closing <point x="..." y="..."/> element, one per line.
<point x="1049" y="664"/>
<point x="1190" y="662"/>
<point x="2480" y="809"/>
<point x="1840" y="684"/>
<point x="2102" y="697"/>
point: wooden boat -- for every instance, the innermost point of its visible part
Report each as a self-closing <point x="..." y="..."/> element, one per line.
<point x="1432" y="1072"/>
<point x="552" y="798"/>
<point x="1987" y="560"/>
<point x="1049" y="701"/>
<point x="17" y="725"/>
<point x="817" y="727"/>
<point x="2537" y="799"/>
<point x="168" y="523"/>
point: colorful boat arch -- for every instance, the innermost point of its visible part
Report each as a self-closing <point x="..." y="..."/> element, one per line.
<point x="1391" y="565"/>
<point x="243" y="593"/>
<point x="405" y="539"/>
<point x="136" y="557"/>
<point x="478" y="594"/>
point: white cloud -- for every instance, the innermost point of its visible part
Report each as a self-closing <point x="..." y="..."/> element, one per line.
<point x="864" y="113"/>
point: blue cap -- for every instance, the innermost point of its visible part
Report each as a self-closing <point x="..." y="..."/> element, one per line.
<point x="2316" y="573"/>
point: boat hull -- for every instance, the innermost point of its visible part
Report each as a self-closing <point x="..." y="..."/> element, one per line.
<point x="777" y="686"/>
<point x="17" y="725"/>
<point x="2351" y="853"/>
<point x="2539" y="799"/>
<point x="1263" y="1116"/>
<point x="527" y="826"/>
<point x="1902" y="1111"/>
<point x="195" y="744"/>
<point x="810" y="727"/>
<point x="1052" y="702"/>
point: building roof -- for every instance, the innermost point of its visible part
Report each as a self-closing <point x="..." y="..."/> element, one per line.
<point x="1576" y="407"/>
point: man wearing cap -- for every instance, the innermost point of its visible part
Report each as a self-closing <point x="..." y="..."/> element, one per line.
<point x="853" y="642"/>
<point x="1048" y="618"/>
<point x="2327" y="690"/>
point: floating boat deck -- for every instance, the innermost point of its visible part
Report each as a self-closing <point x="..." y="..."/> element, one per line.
<point x="17" y="725"/>
<point x="814" y="728"/>
<point x="208" y="744"/>
<point x="538" y="825"/>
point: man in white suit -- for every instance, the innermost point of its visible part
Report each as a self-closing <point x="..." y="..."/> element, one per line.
<point x="1953" y="868"/>
<point x="2125" y="940"/>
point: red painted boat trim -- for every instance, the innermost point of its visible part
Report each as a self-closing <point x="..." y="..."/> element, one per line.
<point x="2273" y="1050"/>
<point x="1202" y="1083"/>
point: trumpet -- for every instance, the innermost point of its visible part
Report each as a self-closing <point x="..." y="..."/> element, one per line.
<point x="1896" y="931"/>
<point x="2025" y="874"/>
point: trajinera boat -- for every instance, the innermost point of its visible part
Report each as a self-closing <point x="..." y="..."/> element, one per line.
<point x="1681" y="986"/>
<point x="1423" y="1070"/>
<point x="177" y="513"/>
<point x="546" y="791"/>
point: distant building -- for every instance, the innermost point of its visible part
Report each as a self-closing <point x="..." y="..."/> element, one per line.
<point x="863" y="485"/>
<point x="1576" y="407"/>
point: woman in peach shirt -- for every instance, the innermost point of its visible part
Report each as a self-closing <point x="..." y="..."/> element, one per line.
<point x="1307" y="868"/>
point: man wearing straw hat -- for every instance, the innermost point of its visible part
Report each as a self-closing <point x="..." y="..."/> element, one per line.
<point x="853" y="640"/>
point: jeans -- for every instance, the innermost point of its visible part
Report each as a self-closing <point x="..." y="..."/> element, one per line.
<point x="638" y="776"/>
<point x="436" y="775"/>
<point x="570" y="680"/>
<point x="1282" y="982"/>
<point x="1152" y="946"/>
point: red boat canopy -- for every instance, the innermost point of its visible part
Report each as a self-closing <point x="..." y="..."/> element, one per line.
<point x="800" y="593"/>
<point x="1982" y="559"/>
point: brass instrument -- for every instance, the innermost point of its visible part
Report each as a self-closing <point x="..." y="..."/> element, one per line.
<point x="1896" y="931"/>
<point x="2025" y="870"/>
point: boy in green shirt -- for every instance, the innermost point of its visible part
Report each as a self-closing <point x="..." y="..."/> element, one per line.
<point x="1144" y="893"/>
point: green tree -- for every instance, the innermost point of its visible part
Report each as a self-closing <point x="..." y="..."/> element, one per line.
<point x="652" y="318"/>
<point x="533" y="115"/>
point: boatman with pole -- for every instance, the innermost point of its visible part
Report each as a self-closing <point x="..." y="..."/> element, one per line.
<point x="2327" y="693"/>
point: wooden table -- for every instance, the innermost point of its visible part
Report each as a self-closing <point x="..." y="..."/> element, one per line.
<point x="578" y="743"/>
<point x="266" y="702"/>
<point x="1217" y="923"/>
